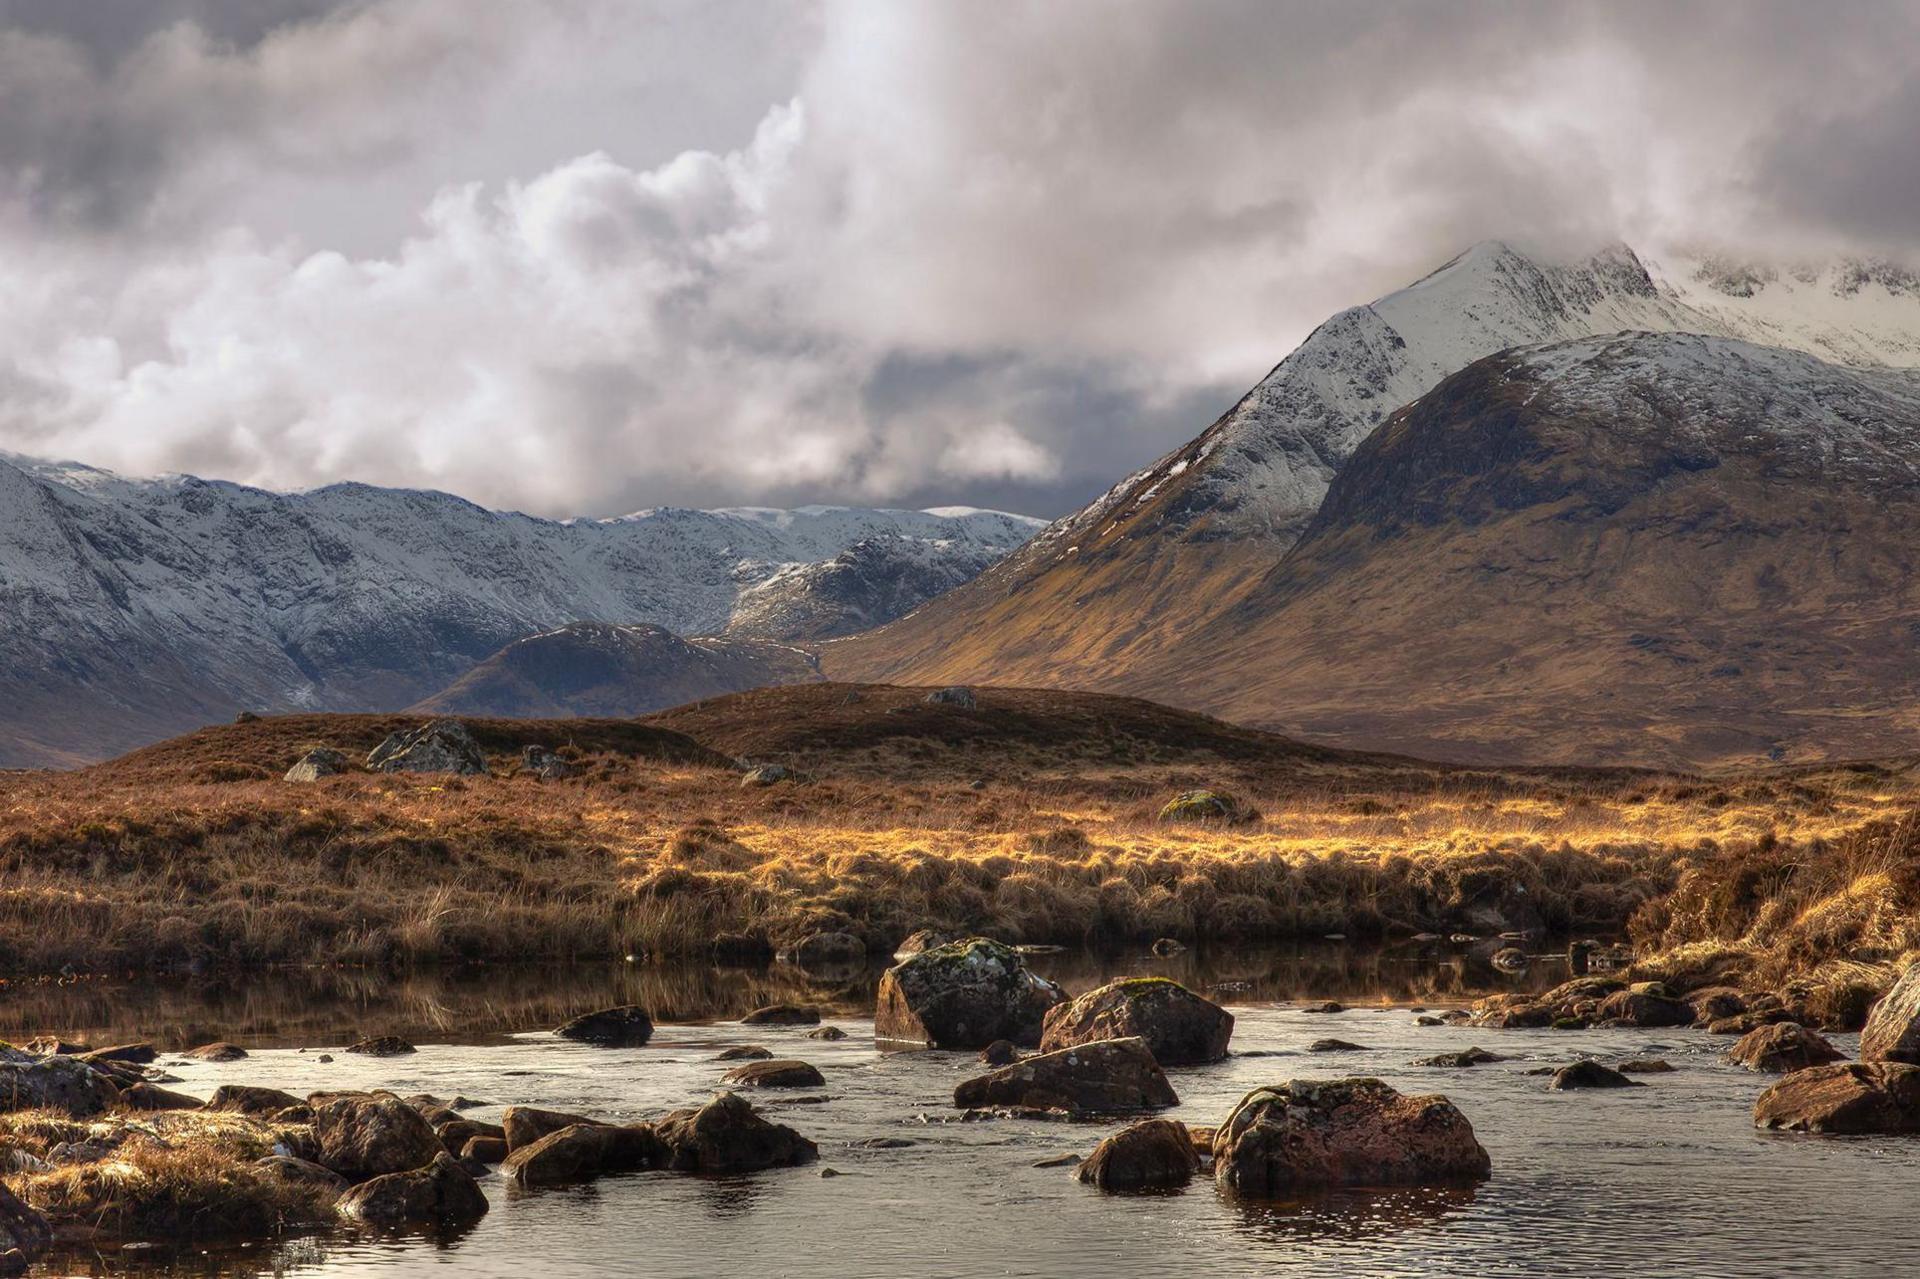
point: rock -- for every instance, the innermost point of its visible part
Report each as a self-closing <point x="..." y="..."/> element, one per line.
<point x="963" y="995"/>
<point x="1847" y="1097"/>
<point x="1114" y="1076"/>
<point x="769" y="775"/>
<point x="745" y="1052"/>
<point x="741" y="948"/>
<point x="1058" y="1161"/>
<point x="1590" y="1074"/>
<point x="1344" y="1132"/>
<point x="382" y="1046"/>
<point x="1327" y="1006"/>
<point x="1461" y="1060"/>
<point x="301" y="1171"/>
<point x="525" y="1125"/>
<point x="726" y="1136"/>
<point x="829" y="1033"/>
<point x="1892" y="1032"/>
<point x="1645" y="1066"/>
<point x="1782" y="1048"/>
<point x="1167" y="947"/>
<point x="1155" y="1154"/>
<point x="1580" y="957"/>
<point x="65" y="1084"/>
<point x="247" y="717"/>
<point x="1424" y="1020"/>
<point x="1206" y="806"/>
<point x="1511" y="959"/>
<point x="216" y="1052"/>
<point x="582" y="1152"/>
<point x="1748" y="1022"/>
<point x="954" y="696"/>
<point x="54" y="1046"/>
<point x="483" y="1149"/>
<point x="775" y="1074"/>
<point x="1334" y="1046"/>
<point x="362" y="1135"/>
<point x="1180" y="1028"/>
<point x="782" y="1015"/>
<point x="123" y="1054"/>
<point x="23" y="1231"/>
<point x="440" y="1193"/>
<point x="438" y="746"/>
<point x="244" y="1099"/>
<point x="1647" y="1009"/>
<point x="1001" y="1052"/>
<point x="544" y="765"/>
<point x="454" y="1134"/>
<point x="826" y="950"/>
<point x="1712" y="1003"/>
<point x="148" y="1097"/>
<point x="317" y="763"/>
<point x="628" y="1026"/>
<point x="925" y="939"/>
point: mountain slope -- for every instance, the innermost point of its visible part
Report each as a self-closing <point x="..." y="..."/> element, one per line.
<point x="604" y="671"/>
<point x="1649" y="548"/>
<point x="1116" y="587"/>
<point x="134" y="609"/>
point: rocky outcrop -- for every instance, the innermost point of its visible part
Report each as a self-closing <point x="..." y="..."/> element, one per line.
<point x="1782" y="1048"/>
<point x="1180" y="1028"/>
<point x="363" y="1135"/>
<point x="582" y="1152"/>
<point x="629" y="1026"/>
<point x="1344" y="1132"/>
<point x="1154" y="1154"/>
<point x="1848" y="1097"/>
<point x="439" y="1193"/>
<point x="438" y="746"/>
<point x="1116" y="1076"/>
<point x="963" y="995"/>
<point x="775" y="1074"/>
<point x="1893" y="1027"/>
<point x="65" y="1084"/>
<point x="726" y="1136"/>
<point x="317" y="763"/>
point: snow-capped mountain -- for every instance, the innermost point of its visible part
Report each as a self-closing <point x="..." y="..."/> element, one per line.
<point x="1106" y="591"/>
<point x="134" y="608"/>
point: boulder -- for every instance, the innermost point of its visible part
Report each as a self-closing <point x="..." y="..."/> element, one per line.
<point x="826" y="950"/>
<point x="827" y="1033"/>
<point x="775" y="1074"/>
<point x="301" y="1171"/>
<point x="1115" y="1076"/>
<point x="439" y="1193"/>
<point x="438" y="746"/>
<point x="382" y="1046"/>
<point x="924" y="939"/>
<point x="1334" y="1046"/>
<point x="23" y="1231"/>
<point x="148" y="1097"/>
<point x="628" y="1026"/>
<point x="1206" y="806"/>
<point x="1781" y="1048"/>
<point x="955" y="695"/>
<point x="544" y="765"/>
<point x="317" y="763"/>
<point x="1155" y="1154"/>
<point x="140" y="1054"/>
<point x="1647" y="1006"/>
<point x="1590" y="1074"/>
<point x="582" y="1152"/>
<point x="769" y="775"/>
<point x="363" y="1135"/>
<point x="782" y="1015"/>
<point x="1461" y="1060"/>
<point x="1167" y="947"/>
<point x="245" y="1099"/>
<point x="525" y="1125"/>
<point x="744" y="1052"/>
<point x="1180" y="1028"/>
<point x="484" y="1150"/>
<point x="221" y="1051"/>
<point x="1343" y="1132"/>
<point x="1892" y="1032"/>
<point x="726" y="1136"/>
<point x="1001" y="1052"/>
<point x="1711" y="1003"/>
<point x="1747" y="1022"/>
<point x="454" y="1134"/>
<point x="963" y="995"/>
<point x="65" y="1084"/>
<point x="1847" y="1097"/>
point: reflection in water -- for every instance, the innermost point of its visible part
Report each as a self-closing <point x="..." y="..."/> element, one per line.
<point x="1350" y="1214"/>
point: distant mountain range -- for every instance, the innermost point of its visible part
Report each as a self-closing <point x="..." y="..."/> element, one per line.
<point x="133" y="609"/>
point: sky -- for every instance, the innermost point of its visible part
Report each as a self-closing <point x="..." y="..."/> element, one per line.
<point x="579" y="257"/>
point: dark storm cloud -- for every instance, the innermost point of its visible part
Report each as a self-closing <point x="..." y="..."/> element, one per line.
<point x="587" y="255"/>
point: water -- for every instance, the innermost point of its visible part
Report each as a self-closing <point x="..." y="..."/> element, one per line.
<point x="1668" y="1179"/>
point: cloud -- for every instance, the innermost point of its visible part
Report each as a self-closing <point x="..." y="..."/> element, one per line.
<point x="594" y="255"/>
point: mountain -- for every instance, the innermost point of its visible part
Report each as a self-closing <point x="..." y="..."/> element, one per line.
<point x="132" y="609"/>
<point x="603" y="671"/>
<point x="1122" y="589"/>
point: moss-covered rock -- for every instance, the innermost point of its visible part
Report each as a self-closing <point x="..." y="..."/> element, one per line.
<point x="1180" y="1028"/>
<point x="1344" y="1132"/>
<point x="963" y="995"/>
<point x="1207" y="806"/>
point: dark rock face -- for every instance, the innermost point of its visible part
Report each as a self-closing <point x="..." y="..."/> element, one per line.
<point x="1180" y="1028"/>
<point x="1590" y="1074"/>
<point x="1154" y="1154"/>
<point x="245" y="1099"/>
<point x="317" y="763"/>
<point x="726" y="1136"/>
<point x="1892" y="1032"/>
<point x="1782" y="1048"/>
<point x="1344" y="1132"/>
<point x="626" y="1027"/>
<point x="23" y="1231"/>
<point x="65" y="1084"/>
<point x="954" y="696"/>
<point x="582" y="1152"/>
<point x="440" y="1193"/>
<point x="525" y="1125"/>
<point x="963" y="995"/>
<point x="1848" y="1097"/>
<point x="782" y="1015"/>
<point x="367" y="1135"/>
<point x="775" y="1074"/>
<point x="545" y="765"/>
<point x="382" y="1046"/>
<point x="438" y="746"/>
<point x="1116" y="1076"/>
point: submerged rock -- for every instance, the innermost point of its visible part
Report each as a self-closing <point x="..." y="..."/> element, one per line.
<point x="1334" y="1046"/>
<point x="1154" y="1154"/>
<point x="1344" y="1132"/>
<point x="1782" y="1048"/>
<point x="363" y="1135"/>
<point x="439" y="1193"/>
<point x="726" y="1136"/>
<point x="745" y="1052"/>
<point x="1590" y="1074"/>
<point x="963" y="995"/>
<point x="1461" y="1060"/>
<point x="582" y="1152"/>
<point x="1180" y="1028"/>
<point x="775" y="1074"/>
<point x="524" y="1125"/>
<point x="1848" y="1097"/>
<point x="1114" y="1076"/>
<point x="1892" y="1031"/>
<point x="629" y="1026"/>
<point x="382" y="1046"/>
<point x="438" y="746"/>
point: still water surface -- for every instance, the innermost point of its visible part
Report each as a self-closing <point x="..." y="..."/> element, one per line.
<point x="1666" y="1180"/>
